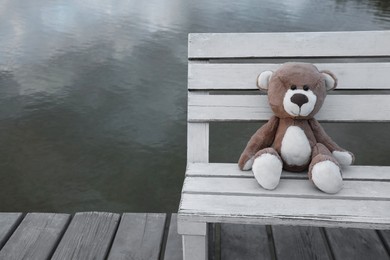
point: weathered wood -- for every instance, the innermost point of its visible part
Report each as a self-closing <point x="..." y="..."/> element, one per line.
<point x="8" y="223"/>
<point x="356" y="244"/>
<point x="284" y="211"/>
<point x="305" y="44"/>
<point x="88" y="236"/>
<point x="210" y="76"/>
<point x="198" y="140"/>
<point x="174" y="247"/>
<point x="378" y="173"/>
<point x="244" y="242"/>
<point x="353" y="190"/>
<point x="385" y="235"/>
<point x="344" y="108"/>
<point x="296" y="243"/>
<point x="195" y="247"/>
<point x="36" y="236"/>
<point x="139" y="236"/>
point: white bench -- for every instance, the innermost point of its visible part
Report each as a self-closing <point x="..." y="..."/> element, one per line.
<point x="220" y="192"/>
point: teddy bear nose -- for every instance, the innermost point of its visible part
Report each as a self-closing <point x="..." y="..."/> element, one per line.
<point x="299" y="99"/>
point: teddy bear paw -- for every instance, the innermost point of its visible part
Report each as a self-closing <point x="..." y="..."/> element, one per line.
<point x="344" y="158"/>
<point x="326" y="176"/>
<point x="248" y="164"/>
<point x="267" y="169"/>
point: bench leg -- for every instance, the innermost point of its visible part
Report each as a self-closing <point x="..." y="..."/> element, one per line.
<point x="194" y="237"/>
<point x="195" y="247"/>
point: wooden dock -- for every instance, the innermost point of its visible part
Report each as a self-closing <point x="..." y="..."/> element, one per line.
<point x="98" y="235"/>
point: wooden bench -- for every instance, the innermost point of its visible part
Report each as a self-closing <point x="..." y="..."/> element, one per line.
<point x="220" y="192"/>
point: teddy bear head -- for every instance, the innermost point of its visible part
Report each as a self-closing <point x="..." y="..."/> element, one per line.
<point x="296" y="90"/>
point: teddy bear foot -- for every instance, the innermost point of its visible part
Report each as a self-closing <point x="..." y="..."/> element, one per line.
<point x="326" y="175"/>
<point x="267" y="169"/>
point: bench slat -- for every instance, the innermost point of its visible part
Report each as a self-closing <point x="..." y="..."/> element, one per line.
<point x="231" y="170"/>
<point x="345" y="108"/>
<point x="243" y="76"/>
<point x="8" y="223"/>
<point x="284" y="211"/>
<point x="305" y="44"/>
<point x="353" y="190"/>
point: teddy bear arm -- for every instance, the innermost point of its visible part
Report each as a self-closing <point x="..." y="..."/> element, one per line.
<point x="263" y="138"/>
<point x="343" y="156"/>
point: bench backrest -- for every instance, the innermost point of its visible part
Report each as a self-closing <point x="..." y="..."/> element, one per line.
<point x="220" y="63"/>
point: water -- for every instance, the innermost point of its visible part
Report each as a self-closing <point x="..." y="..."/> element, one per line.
<point x="93" y="96"/>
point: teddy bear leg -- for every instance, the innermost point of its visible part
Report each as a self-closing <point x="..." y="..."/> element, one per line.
<point x="267" y="168"/>
<point x="324" y="170"/>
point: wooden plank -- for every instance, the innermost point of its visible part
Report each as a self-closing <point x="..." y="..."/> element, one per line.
<point x="296" y="243"/>
<point x="139" y="236"/>
<point x="197" y="142"/>
<point x="345" y="108"/>
<point x="174" y="247"/>
<point x="356" y="244"/>
<point x="296" y="44"/>
<point x="8" y="223"/>
<point x="244" y="242"/>
<point x="373" y="173"/>
<point x="36" y="236"/>
<point x="208" y="76"/>
<point x="353" y="190"/>
<point x="88" y="236"/>
<point x="284" y="211"/>
<point x="195" y="247"/>
<point x="385" y="235"/>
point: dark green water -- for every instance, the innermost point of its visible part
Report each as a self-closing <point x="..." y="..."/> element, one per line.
<point x="93" y="96"/>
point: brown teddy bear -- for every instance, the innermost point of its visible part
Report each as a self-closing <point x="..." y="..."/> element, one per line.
<point x="292" y="139"/>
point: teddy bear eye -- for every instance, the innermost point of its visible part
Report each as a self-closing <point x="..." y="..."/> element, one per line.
<point x="293" y="87"/>
<point x="305" y="87"/>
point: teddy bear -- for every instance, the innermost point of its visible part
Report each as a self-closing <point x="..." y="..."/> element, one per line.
<point x="293" y="139"/>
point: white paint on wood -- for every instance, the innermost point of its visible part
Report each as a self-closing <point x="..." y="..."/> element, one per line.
<point x="284" y="211"/>
<point x="191" y="228"/>
<point x="36" y="236"/>
<point x="195" y="247"/>
<point x="8" y="223"/>
<point x="353" y="190"/>
<point x="174" y="247"/>
<point x="243" y="76"/>
<point x="232" y="170"/>
<point x="88" y="236"/>
<point x="346" y="108"/>
<point x="296" y="44"/>
<point x="139" y="236"/>
<point x="197" y="142"/>
<point x="357" y="244"/>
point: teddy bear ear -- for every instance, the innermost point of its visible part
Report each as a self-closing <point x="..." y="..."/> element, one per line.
<point x="330" y="80"/>
<point x="263" y="80"/>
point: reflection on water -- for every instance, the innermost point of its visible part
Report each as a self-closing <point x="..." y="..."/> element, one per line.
<point x="93" y="94"/>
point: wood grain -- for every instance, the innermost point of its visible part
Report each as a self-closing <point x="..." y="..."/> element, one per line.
<point x="378" y="173"/>
<point x="244" y="242"/>
<point x="8" y="223"/>
<point x="356" y="244"/>
<point x="139" y="236"/>
<point x="243" y="76"/>
<point x="340" y="108"/>
<point x="88" y="236"/>
<point x="305" y="44"/>
<point x="296" y="243"/>
<point x="284" y="211"/>
<point x="36" y="236"/>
